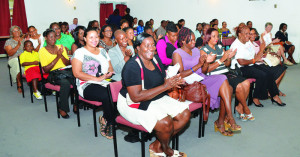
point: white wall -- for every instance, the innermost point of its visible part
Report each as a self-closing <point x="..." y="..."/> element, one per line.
<point x="41" y="13"/>
<point x="231" y="11"/>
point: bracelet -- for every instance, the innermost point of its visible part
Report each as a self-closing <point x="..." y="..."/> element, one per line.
<point x="192" y="70"/>
<point x="219" y="62"/>
<point x="253" y="60"/>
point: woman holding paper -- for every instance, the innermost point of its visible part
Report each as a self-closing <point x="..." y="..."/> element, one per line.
<point x="245" y="59"/>
<point x="239" y="84"/>
<point x="91" y="66"/>
<point x="192" y="62"/>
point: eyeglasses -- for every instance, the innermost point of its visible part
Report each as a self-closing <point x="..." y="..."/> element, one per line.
<point x="108" y="31"/>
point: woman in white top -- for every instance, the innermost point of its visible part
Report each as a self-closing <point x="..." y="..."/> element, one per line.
<point x="267" y="36"/>
<point x="91" y="65"/>
<point x="245" y="59"/>
<point x="36" y="39"/>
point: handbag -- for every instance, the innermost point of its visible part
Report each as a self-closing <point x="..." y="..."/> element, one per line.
<point x="177" y="94"/>
<point x="197" y="93"/>
<point x="273" y="60"/>
<point x="56" y="75"/>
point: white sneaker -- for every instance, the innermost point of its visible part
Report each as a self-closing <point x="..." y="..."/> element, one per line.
<point x="37" y="95"/>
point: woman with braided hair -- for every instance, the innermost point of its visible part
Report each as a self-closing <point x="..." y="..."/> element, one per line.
<point x="191" y="61"/>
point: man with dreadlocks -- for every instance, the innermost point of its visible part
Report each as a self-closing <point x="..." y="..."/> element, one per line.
<point x="191" y="61"/>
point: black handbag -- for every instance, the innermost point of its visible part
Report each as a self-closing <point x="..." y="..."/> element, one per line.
<point x="56" y="75"/>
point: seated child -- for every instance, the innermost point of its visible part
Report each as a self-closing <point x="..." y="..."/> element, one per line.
<point x="30" y="60"/>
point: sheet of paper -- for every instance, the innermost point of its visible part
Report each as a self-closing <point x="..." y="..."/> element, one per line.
<point x="266" y="60"/>
<point x="103" y="83"/>
<point x="192" y="78"/>
<point x="172" y="70"/>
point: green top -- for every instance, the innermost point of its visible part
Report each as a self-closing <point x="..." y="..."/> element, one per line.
<point x="65" y="40"/>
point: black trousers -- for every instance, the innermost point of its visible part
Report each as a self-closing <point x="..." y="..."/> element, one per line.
<point x="265" y="80"/>
<point x="95" y="92"/>
<point x="64" y="93"/>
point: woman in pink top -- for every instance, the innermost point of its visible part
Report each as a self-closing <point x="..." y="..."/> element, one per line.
<point x="168" y="44"/>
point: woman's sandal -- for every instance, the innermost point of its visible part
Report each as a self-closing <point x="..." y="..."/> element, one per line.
<point x="232" y="126"/>
<point x="177" y="154"/>
<point x="242" y="116"/>
<point x="109" y="132"/>
<point x="102" y="126"/>
<point x="220" y="128"/>
<point x="153" y="154"/>
<point x="250" y="117"/>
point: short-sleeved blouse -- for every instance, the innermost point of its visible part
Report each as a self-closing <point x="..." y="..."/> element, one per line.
<point x="11" y="42"/>
<point x="131" y="76"/>
<point x="92" y="64"/>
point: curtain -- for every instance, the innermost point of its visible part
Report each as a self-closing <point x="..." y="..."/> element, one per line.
<point x="121" y="8"/>
<point x="5" y="18"/>
<point x="105" y="11"/>
<point x="19" y="15"/>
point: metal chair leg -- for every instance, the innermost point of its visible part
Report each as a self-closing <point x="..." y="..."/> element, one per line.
<point x="203" y="124"/>
<point x="143" y="144"/>
<point x="57" y="108"/>
<point x="250" y="98"/>
<point x="45" y="99"/>
<point x="115" y="141"/>
<point x="200" y="123"/>
<point x="95" y="122"/>
<point x="31" y="91"/>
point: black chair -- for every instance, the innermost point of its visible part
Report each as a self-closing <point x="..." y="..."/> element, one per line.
<point x="23" y="77"/>
<point x="46" y="85"/>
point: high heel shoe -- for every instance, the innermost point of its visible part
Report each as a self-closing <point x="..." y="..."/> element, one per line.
<point x="250" y="117"/>
<point x="282" y="104"/>
<point x="233" y="126"/>
<point x="258" y="105"/>
<point x="241" y="116"/>
<point x="224" y="133"/>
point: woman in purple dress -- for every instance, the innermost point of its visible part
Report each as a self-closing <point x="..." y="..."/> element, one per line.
<point x="191" y="61"/>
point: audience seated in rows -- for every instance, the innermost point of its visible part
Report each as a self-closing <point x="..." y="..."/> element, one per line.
<point x="279" y="69"/>
<point x="239" y="84"/>
<point x="265" y="76"/>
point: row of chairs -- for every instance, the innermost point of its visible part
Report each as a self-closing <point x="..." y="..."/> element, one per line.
<point x="113" y="90"/>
